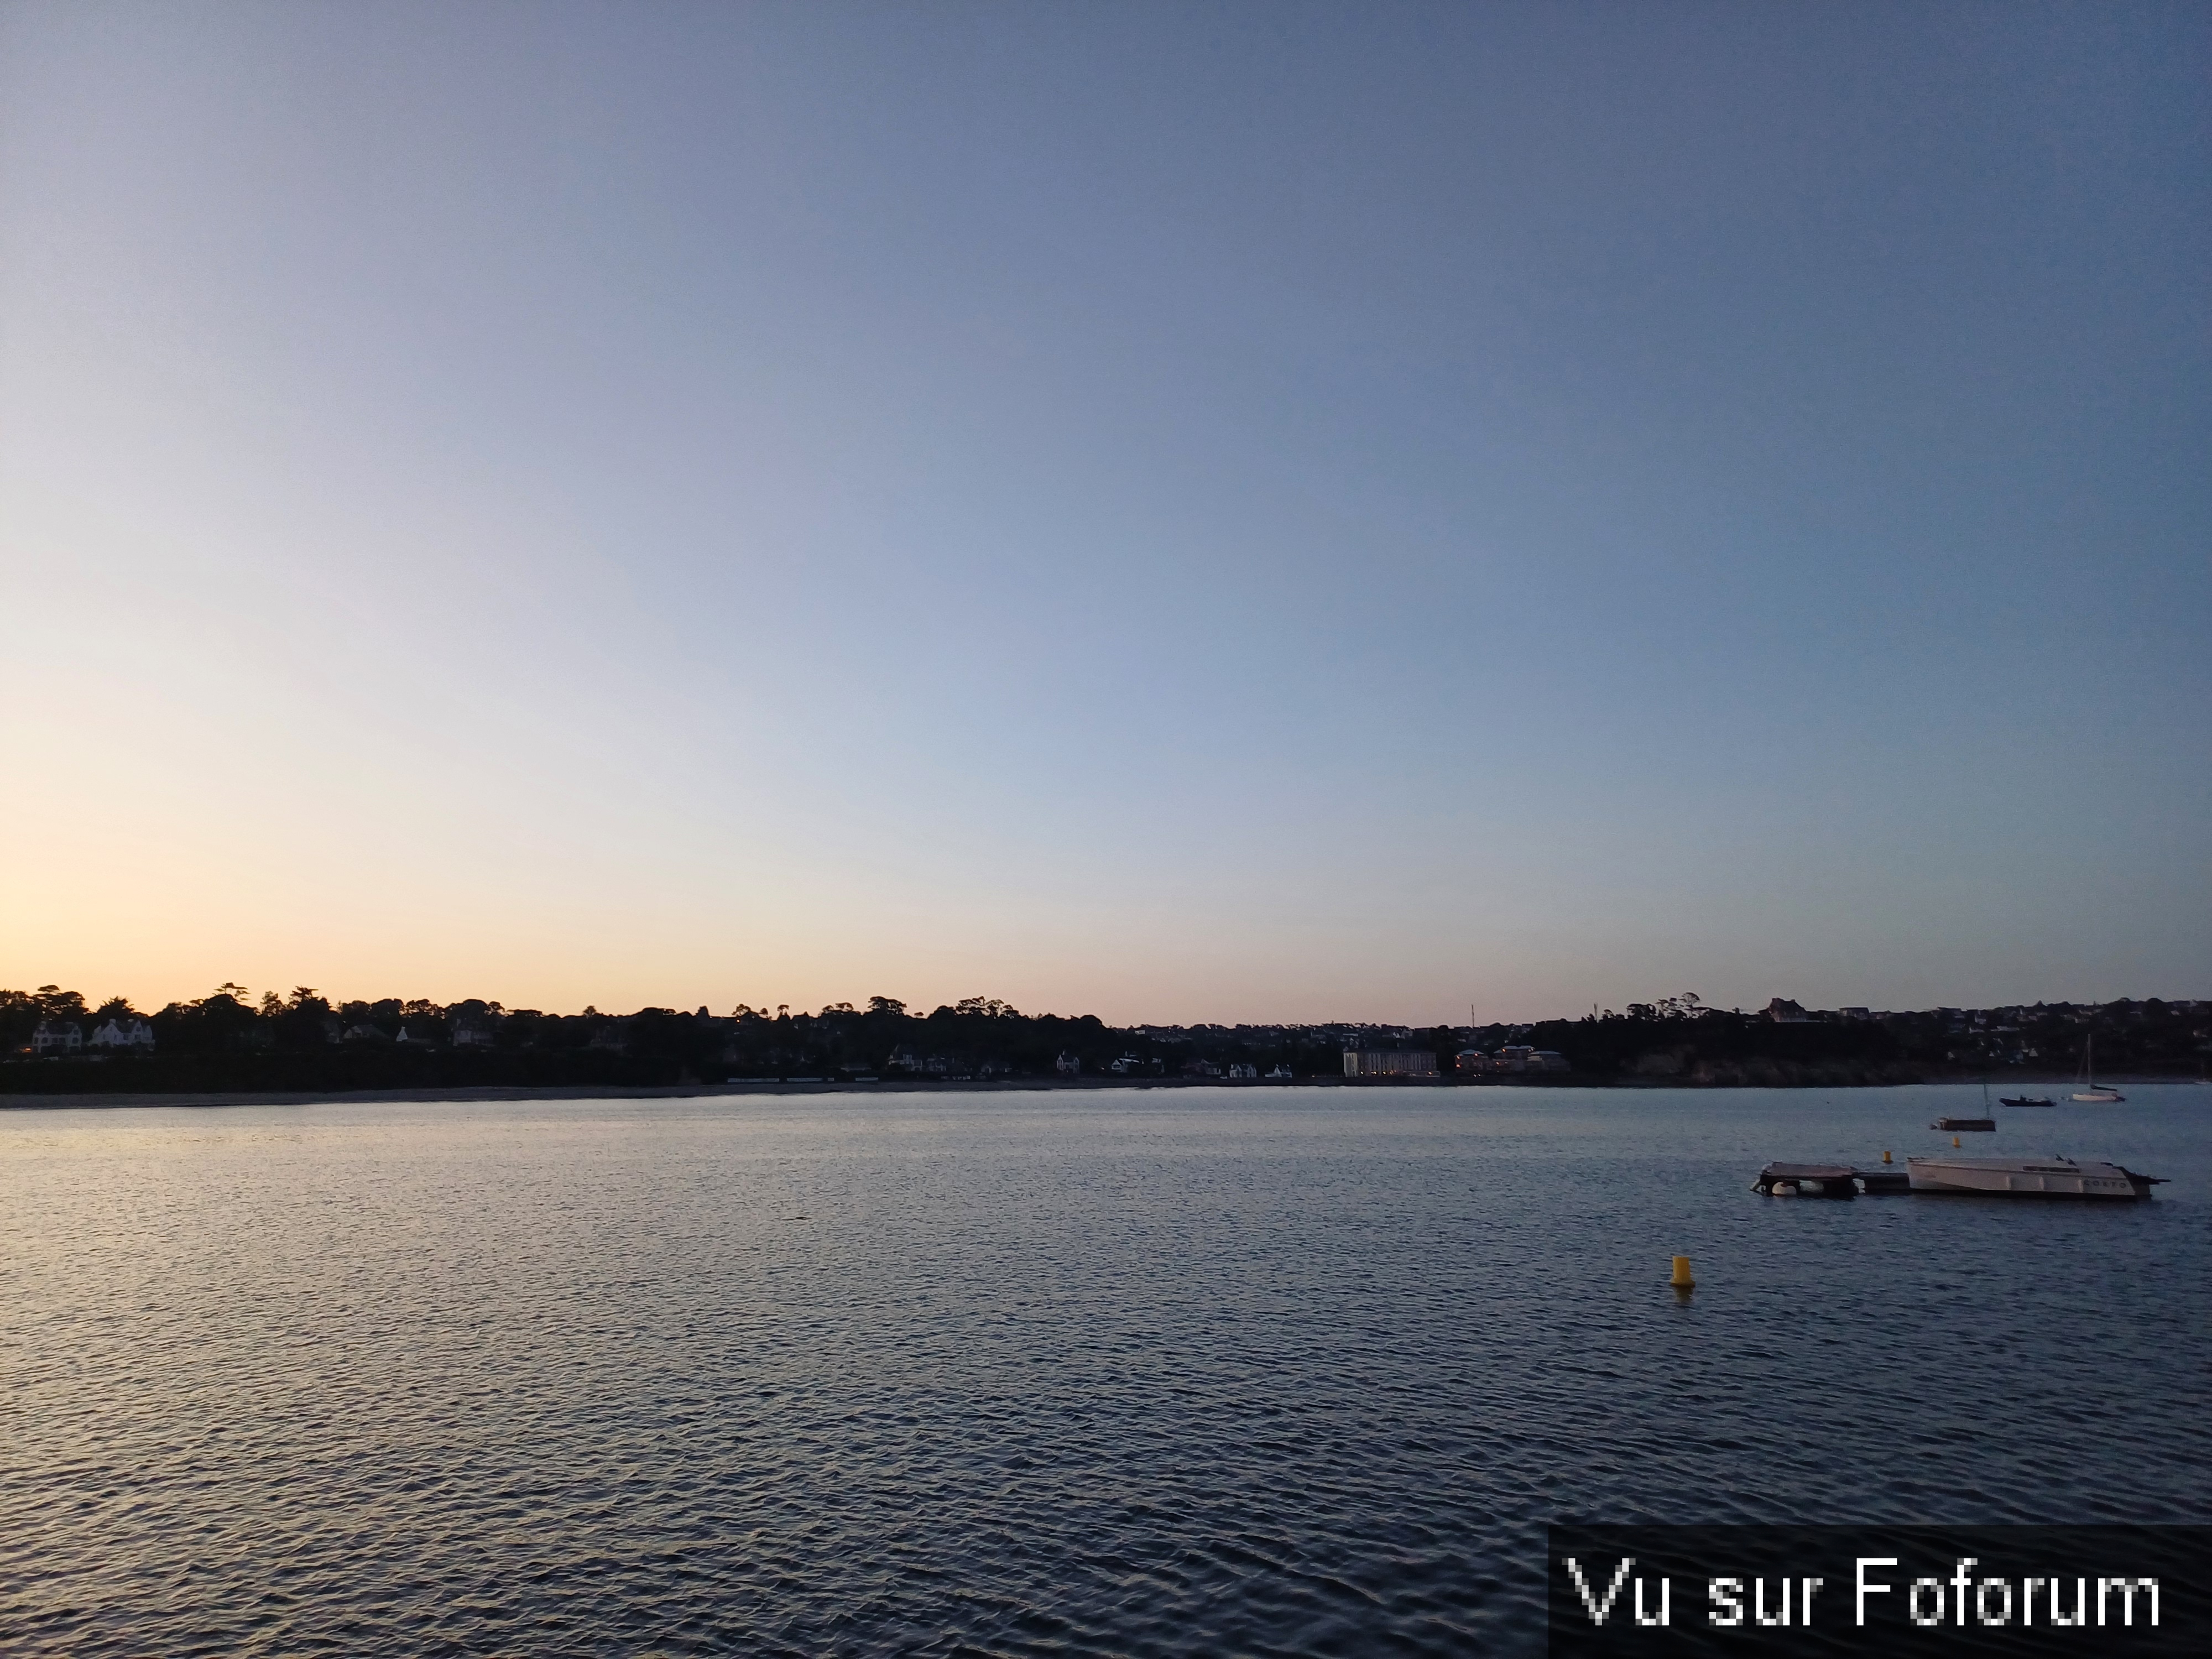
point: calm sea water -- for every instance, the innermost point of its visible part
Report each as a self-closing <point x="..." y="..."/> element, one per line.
<point x="1170" y="1373"/>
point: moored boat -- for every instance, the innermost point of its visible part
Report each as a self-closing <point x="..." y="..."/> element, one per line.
<point x="2029" y="1177"/>
<point x="2020" y="1100"/>
<point x="1985" y="1123"/>
<point x="2089" y="1090"/>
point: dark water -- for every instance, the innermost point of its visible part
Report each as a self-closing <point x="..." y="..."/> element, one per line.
<point x="1179" y="1372"/>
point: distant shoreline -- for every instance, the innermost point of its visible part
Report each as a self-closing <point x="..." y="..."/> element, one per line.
<point x="494" y="1093"/>
<point x="221" y="1050"/>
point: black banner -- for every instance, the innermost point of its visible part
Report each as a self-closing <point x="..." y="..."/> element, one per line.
<point x="1654" y="1591"/>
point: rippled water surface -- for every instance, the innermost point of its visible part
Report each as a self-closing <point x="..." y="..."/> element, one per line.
<point x="1172" y="1372"/>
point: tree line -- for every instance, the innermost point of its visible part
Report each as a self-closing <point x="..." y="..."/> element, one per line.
<point x="231" y="1039"/>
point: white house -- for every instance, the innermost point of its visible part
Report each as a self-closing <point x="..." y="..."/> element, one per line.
<point x="52" y="1039"/>
<point x="116" y="1035"/>
<point x="1067" y="1064"/>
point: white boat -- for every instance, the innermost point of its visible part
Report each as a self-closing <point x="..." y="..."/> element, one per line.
<point x="2089" y="1091"/>
<point x="2028" y="1177"/>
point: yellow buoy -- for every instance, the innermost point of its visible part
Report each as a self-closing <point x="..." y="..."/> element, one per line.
<point x="1884" y="1155"/>
<point x="1955" y="1140"/>
<point x="1681" y="1280"/>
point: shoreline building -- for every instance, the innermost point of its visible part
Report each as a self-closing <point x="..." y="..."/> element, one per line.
<point x="1388" y="1062"/>
<point x="116" y="1035"/>
<point x="1514" y="1060"/>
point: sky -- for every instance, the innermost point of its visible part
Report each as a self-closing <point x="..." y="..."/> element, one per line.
<point x="1182" y="512"/>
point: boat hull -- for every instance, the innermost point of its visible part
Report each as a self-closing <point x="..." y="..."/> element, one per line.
<point x="2027" y="1177"/>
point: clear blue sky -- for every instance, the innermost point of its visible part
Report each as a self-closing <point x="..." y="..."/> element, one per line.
<point x="1176" y="512"/>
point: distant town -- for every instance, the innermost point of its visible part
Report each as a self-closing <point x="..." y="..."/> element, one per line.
<point x="54" y="1041"/>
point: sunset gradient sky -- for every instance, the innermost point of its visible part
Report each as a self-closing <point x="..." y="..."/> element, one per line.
<point x="1181" y="513"/>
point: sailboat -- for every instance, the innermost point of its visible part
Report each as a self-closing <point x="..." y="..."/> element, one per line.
<point x="1984" y="1121"/>
<point x="2089" y="1091"/>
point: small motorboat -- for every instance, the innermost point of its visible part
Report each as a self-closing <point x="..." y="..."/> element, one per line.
<point x="2019" y="1100"/>
<point x="2029" y="1177"/>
